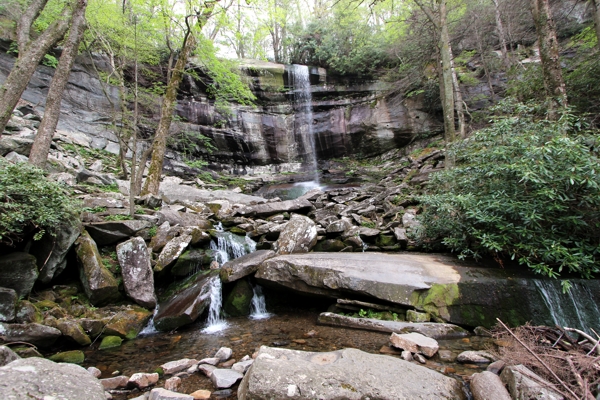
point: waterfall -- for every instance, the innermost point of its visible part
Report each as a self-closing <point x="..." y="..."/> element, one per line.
<point x="575" y="308"/>
<point x="215" y="323"/>
<point x="300" y="78"/>
<point x="258" y="306"/>
<point x="150" y="329"/>
<point x="229" y="246"/>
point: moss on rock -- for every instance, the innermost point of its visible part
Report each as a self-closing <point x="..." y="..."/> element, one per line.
<point x="73" y="357"/>
<point x="110" y="342"/>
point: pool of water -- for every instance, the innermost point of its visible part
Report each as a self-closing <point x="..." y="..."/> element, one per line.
<point x="290" y="191"/>
<point x="287" y="327"/>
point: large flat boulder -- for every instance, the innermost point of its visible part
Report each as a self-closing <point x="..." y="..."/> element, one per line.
<point x="105" y="233"/>
<point x="182" y="218"/>
<point x="343" y="374"/>
<point x="455" y="291"/>
<point x="138" y="277"/>
<point x="38" y="378"/>
<point x="172" y="193"/>
<point x="18" y="271"/>
<point x="244" y="265"/>
<point x="36" y="334"/>
<point x="264" y="210"/>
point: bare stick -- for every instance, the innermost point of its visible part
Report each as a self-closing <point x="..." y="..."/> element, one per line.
<point x="585" y="335"/>
<point x="539" y="359"/>
<point x="586" y="394"/>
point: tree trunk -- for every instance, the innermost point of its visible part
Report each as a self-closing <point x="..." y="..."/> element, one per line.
<point x="29" y="58"/>
<point x="446" y="75"/>
<point x="459" y="104"/>
<point x="501" y="35"/>
<point x="548" y="44"/>
<point x="41" y="144"/>
<point x="596" y="16"/>
<point x="159" y="145"/>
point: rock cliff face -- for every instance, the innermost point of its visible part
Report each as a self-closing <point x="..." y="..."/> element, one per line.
<point x="349" y="117"/>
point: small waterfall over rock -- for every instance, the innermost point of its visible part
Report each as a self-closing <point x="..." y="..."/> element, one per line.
<point x="229" y="246"/>
<point x="150" y="329"/>
<point x="215" y="323"/>
<point x="574" y="309"/>
<point x="299" y="77"/>
<point x="259" y="306"/>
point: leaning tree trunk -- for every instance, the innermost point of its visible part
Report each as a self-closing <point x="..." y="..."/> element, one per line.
<point x="43" y="139"/>
<point x="29" y="57"/>
<point x="501" y="35"/>
<point x="554" y="84"/>
<point x="159" y="145"/>
<point x="447" y="84"/>
<point x="596" y="16"/>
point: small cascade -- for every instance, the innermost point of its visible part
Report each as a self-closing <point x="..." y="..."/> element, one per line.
<point x="574" y="309"/>
<point x="215" y="323"/>
<point x="150" y="329"/>
<point x="229" y="246"/>
<point x="258" y="306"/>
<point x="300" y="79"/>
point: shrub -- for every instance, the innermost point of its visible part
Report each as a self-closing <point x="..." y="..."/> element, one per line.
<point x="523" y="189"/>
<point x="30" y="203"/>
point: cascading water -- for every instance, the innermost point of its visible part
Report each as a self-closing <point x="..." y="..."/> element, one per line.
<point x="258" y="306"/>
<point x="574" y="309"/>
<point x="229" y="246"/>
<point x="215" y="323"/>
<point x="150" y="329"/>
<point x="300" y="79"/>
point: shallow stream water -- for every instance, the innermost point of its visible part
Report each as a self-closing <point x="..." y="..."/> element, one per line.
<point x="288" y="327"/>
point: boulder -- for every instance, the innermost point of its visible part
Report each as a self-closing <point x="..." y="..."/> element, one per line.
<point x="27" y="312"/>
<point x="524" y="384"/>
<point x="174" y="192"/>
<point x="173" y="383"/>
<point x="138" y="278"/>
<point x="172" y="251"/>
<point x="105" y="233"/>
<point x="244" y="265"/>
<point x="117" y="382"/>
<point x="239" y="300"/>
<point x="8" y="304"/>
<point x="415" y="343"/>
<point x="224" y="354"/>
<point x="110" y="342"/>
<point x="164" y="234"/>
<point x="430" y="329"/>
<point x="72" y="330"/>
<point x="51" y="251"/>
<point x="18" y="271"/>
<point x="330" y="245"/>
<point x="86" y="176"/>
<point x="143" y="380"/>
<point x="172" y="367"/>
<point x="225" y="378"/>
<point x="182" y="218"/>
<point x="44" y="379"/>
<point x="184" y="301"/>
<point x="71" y="356"/>
<point x="264" y="210"/>
<point x="475" y="357"/>
<point x="164" y="394"/>
<point x="99" y="284"/>
<point x="191" y="261"/>
<point x="128" y="322"/>
<point x="488" y="386"/>
<point x="7" y="355"/>
<point x="343" y="374"/>
<point x="242" y="366"/>
<point x="36" y="334"/>
<point x="299" y="236"/>
<point x="9" y="144"/>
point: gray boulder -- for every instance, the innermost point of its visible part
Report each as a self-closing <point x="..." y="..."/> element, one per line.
<point x="99" y="284"/>
<point x="264" y="210"/>
<point x="415" y="343"/>
<point x="164" y="394"/>
<point x="38" y="378"/>
<point x="36" y="334"/>
<point x="172" y="251"/>
<point x="184" y="301"/>
<point x="244" y="265"/>
<point x="138" y="277"/>
<point x="476" y="357"/>
<point x="9" y="144"/>
<point x="172" y="193"/>
<point x="7" y="355"/>
<point x="86" y="176"/>
<point x="105" y="233"/>
<point x="51" y="251"/>
<point x="524" y="384"/>
<point x="343" y="374"/>
<point x="8" y="304"/>
<point x="487" y="385"/>
<point x="299" y="236"/>
<point x="18" y="271"/>
<point x="224" y="378"/>
<point x="182" y="218"/>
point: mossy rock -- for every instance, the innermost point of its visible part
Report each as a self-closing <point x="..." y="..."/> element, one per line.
<point x="237" y="230"/>
<point x="385" y="240"/>
<point x="73" y="357"/>
<point x="239" y="300"/>
<point x="27" y="352"/>
<point x="415" y="316"/>
<point x="110" y="342"/>
<point x="45" y="305"/>
<point x="191" y="261"/>
<point x="26" y="312"/>
<point x="330" y="245"/>
<point x="128" y="323"/>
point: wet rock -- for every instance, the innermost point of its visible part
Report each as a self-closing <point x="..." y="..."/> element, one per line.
<point x="142" y="380"/>
<point x="224" y="354"/>
<point x="420" y="358"/>
<point x="42" y="379"/>
<point x="105" y="233"/>
<point x="342" y="374"/>
<point x="72" y="330"/>
<point x="172" y="251"/>
<point x="127" y="322"/>
<point x="210" y="361"/>
<point x="183" y="219"/>
<point x="487" y="385"/>
<point x="524" y="384"/>
<point x="407" y="355"/>
<point x="415" y="343"/>
<point x="184" y="301"/>
<point x="244" y="265"/>
<point x="18" y="271"/>
<point x="264" y="210"/>
<point x="207" y="369"/>
<point x="51" y="251"/>
<point x="109" y="342"/>
<point x="496" y="367"/>
<point x="173" y="384"/>
<point x="72" y="356"/>
<point x="242" y="366"/>
<point x="99" y="284"/>
<point x="299" y="236"/>
<point x="238" y="301"/>
<point x="172" y="367"/>
<point x="415" y="316"/>
<point x="191" y="261"/>
<point x="8" y="304"/>
<point x="225" y="378"/>
<point x="7" y="355"/>
<point x="36" y="334"/>
<point x="138" y="278"/>
<point x="117" y="382"/>
<point x="330" y="245"/>
<point x="475" y="357"/>
<point x="95" y="372"/>
<point x="164" y="394"/>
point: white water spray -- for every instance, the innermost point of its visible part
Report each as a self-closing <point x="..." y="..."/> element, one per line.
<point x="258" y="306"/>
<point x="150" y="329"/>
<point x="229" y="246"/>
<point x="215" y="323"/>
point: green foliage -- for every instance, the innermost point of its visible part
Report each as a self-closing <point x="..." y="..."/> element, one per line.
<point x="118" y="217"/>
<point x="523" y="189"/>
<point x="152" y="231"/>
<point x="50" y="61"/>
<point x="94" y="210"/>
<point x="30" y="203"/>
